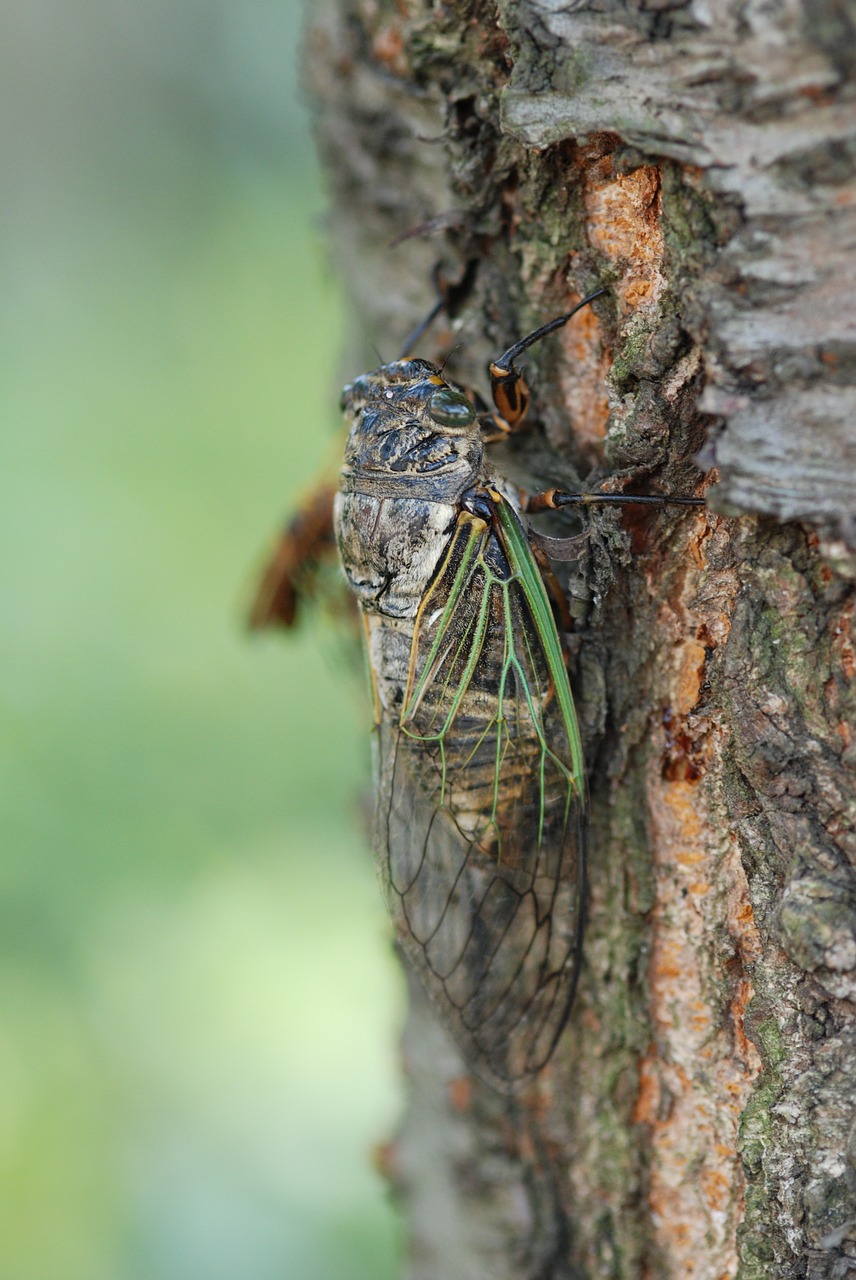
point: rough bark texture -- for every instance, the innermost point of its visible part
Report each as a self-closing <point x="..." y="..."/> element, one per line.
<point x="698" y="1118"/>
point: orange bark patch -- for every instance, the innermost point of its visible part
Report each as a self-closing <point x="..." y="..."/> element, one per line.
<point x="689" y="676"/>
<point x="388" y="48"/>
<point x="461" y="1093"/>
<point x="650" y="1093"/>
<point x="704" y="935"/>
<point x="583" y="377"/>
<point x="716" y="1188"/>
<point x="622" y="213"/>
<point x="705" y="1062"/>
<point x="843" y="641"/>
<point x="623" y="221"/>
<point x="744" y="1046"/>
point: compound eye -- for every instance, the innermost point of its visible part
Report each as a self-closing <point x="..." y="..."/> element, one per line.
<point x="451" y="409"/>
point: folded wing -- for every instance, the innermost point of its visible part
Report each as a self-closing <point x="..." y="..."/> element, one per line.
<point x="479" y="831"/>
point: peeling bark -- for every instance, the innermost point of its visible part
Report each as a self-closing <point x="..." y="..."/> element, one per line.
<point x="698" y="1117"/>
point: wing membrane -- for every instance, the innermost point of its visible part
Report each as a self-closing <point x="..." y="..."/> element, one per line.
<point x="480" y="800"/>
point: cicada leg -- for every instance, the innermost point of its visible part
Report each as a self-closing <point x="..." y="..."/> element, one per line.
<point x="290" y="579"/>
<point x="558" y="598"/>
<point x="557" y="499"/>
<point x="508" y="386"/>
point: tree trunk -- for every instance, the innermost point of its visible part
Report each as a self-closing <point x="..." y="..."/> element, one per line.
<point x="697" y="1119"/>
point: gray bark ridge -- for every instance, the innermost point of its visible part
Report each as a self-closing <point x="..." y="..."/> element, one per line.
<point x="759" y="98"/>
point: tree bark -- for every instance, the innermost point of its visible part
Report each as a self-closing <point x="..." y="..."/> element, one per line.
<point x="697" y="1119"/>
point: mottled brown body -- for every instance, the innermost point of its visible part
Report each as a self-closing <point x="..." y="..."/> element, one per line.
<point x="478" y="768"/>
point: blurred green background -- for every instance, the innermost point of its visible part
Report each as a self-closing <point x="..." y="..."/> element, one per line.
<point x="198" y="1008"/>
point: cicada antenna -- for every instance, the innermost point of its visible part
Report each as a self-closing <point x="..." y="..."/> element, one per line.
<point x="415" y="334"/>
<point x="505" y="364"/>
<point x="450" y="295"/>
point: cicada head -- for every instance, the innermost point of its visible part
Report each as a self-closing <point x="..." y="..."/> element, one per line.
<point x="408" y="424"/>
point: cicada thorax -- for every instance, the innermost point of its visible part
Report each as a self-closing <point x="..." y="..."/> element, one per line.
<point x="479" y="773"/>
<point x="401" y="483"/>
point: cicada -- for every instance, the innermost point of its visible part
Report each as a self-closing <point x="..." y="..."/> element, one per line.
<point x="479" y="772"/>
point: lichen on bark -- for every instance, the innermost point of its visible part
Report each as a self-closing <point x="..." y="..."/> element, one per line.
<point x="697" y="159"/>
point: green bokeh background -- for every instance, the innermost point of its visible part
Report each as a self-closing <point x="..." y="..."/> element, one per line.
<point x="198" y="1009"/>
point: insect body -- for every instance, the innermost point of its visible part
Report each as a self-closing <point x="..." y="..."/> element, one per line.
<point x="480" y="782"/>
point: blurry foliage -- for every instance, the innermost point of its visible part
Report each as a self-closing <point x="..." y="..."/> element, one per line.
<point x="196" y="1007"/>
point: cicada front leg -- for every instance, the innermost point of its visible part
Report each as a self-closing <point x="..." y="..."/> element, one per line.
<point x="558" y="499"/>
<point x="306" y="545"/>
<point x="508" y="386"/>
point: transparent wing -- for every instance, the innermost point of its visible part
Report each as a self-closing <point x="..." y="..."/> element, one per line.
<point x="479" y="817"/>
